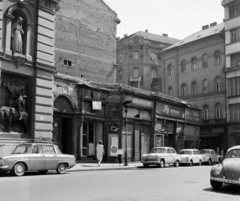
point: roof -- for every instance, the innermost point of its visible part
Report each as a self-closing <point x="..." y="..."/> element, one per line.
<point x="111" y="87"/>
<point x="198" y="36"/>
<point x="234" y="147"/>
<point x="155" y="37"/>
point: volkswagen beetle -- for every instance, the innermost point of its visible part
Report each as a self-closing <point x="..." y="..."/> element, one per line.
<point x="210" y="156"/>
<point x="36" y="157"/>
<point x="228" y="171"/>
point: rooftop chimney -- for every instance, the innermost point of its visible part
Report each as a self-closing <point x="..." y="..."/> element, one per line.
<point x="213" y="24"/>
<point x="165" y="35"/>
<point x="125" y="35"/>
<point x="205" y="27"/>
<point x="146" y="30"/>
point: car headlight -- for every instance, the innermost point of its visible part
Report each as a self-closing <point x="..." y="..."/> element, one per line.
<point x="217" y="169"/>
<point x="1" y="161"/>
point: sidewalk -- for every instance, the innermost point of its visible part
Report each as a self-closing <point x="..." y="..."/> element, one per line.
<point x="104" y="166"/>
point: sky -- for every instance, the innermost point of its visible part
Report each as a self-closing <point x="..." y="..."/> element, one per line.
<point x="177" y="18"/>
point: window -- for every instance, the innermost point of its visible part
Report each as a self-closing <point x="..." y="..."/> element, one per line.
<point x="153" y="56"/>
<point x="194" y="64"/>
<point x="218" y="110"/>
<point x="184" y="90"/>
<point x="235" y="60"/>
<point x="218" y="84"/>
<point x="234" y="10"/>
<point x="205" y="86"/>
<point x="169" y="70"/>
<point x="120" y="57"/>
<point x="194" y="88"/>
<point x="217" y="58"/>
<point x="205" y="112"/>
<point x="120" y="75"/>
<point x="170" y="91"/>
<point x="135" y="71"/>
<point x="48" y="149"/>
<point x="234" y="110"/>
<point x="135" y="54"/>
<point x="154" y="73"/>
<point x="235" y="35"/>
<point x="234" y="86"/>
<point x="67" y="62"/>
<point x="205" y="61"/>
<point x="183" y="66"/>
<point x="37" y="149"/>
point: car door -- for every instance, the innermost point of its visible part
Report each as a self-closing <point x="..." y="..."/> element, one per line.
<point x="167" y="156"/>
<point x="37" y="160"/>
<point x="50" y="157"/>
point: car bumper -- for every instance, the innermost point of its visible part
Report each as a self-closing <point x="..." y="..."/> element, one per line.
<point x="151" y="162"/>
<point x="5" y="167"/>
<point x="227" y="181"/>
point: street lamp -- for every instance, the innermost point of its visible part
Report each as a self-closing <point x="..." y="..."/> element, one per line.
<point x="125" y="103"/>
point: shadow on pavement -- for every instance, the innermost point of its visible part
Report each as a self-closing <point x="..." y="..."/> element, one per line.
<point x="226" y="189"/>
<point x="32" y="174"/>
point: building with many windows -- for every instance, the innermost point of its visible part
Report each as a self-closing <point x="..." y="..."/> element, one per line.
<point x="232" y="68"/>
<point x="138" y="63"/>
<point x="193" y="70"/>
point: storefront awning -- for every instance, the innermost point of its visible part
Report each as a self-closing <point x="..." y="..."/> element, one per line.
<point x="209" y="135"/>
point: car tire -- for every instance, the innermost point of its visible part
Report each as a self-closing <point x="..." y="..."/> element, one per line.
<point x="200" y="163"/>
<point x="145" y="165"/>
<point x="19" y="169"/>
<point x="209" y="161"/>
<point x="43" y="171"/>
<point x="61" y="168"/>
<point x="216" y="184"/>
<point x="176" y="163"/>
<point x="162" y="164"/>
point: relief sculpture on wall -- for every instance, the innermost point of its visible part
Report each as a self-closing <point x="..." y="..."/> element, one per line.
<point x="13" y="105"/>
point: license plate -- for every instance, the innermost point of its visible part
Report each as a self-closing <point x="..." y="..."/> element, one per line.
<point x="231" y="181"/>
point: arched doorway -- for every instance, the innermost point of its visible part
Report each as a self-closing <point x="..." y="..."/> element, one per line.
<point x="62" y="124"/>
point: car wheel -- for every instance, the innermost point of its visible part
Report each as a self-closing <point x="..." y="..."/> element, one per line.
<point x="176" y="163"/>
<point x="209" y="161"/>
<point x="200" y="163"/>
<point x="216" y="184"/>
<point x="145" y="165"/>
<point x="19" y="169"/>
<point x="43" y="171"/>
<point x="61" y="168"/>
<point x="162" y="163"/>
<point x="190" y="163"/>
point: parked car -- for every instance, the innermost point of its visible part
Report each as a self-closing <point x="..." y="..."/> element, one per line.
<point x="161" y="156"/>
<point x="36" y="157"/>
<point x="190" y="157"/>
<point x="228" y="171"/>
<point x="210" y="156"/>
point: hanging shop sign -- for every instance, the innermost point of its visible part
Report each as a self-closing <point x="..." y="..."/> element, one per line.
<point x="96" y="105"/>
<point x="140" y="102"/>
<point x="193" y="115"/>
<point x="170" y="110"/>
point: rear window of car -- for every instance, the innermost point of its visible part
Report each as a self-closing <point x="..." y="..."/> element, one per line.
<point x="173" y="151"/>
<point x="235" y="153"/>
<point x="158" y="150"/>
<point x="205" y="152"/>
<point x="186" y="152"/>
<point x="48" y="149"/>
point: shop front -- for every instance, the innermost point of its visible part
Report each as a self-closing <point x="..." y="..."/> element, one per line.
<point x="233" y="135"/>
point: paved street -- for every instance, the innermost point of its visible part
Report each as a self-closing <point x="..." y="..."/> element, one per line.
<point x="146" y="184"/>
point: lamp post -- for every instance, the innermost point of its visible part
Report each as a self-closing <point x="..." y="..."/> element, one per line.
<point x="125" y="105"/>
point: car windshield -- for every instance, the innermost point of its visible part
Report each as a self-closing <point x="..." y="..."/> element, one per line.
<point x="235" y="153"/>
<point x="22" y="149"/>
<point x="185" y="152"/>
<point x="205" y="152"/>
<point x="158" y="150"/>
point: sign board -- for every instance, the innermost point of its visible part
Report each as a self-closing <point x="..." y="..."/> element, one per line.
<point x="96" y="105"/>
<point x="119" y="152"/>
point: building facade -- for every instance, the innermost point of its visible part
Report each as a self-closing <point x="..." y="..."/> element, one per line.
<point x="232" y="69"/>
<point x="138" y="64"/>
<point x="27" y="70"/>
<point x="193" y="70"/>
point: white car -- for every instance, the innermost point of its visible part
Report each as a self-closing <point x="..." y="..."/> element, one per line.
<point x="210" y="156"/>
<point x="190" y="157"/>
<point x="161" y="156"/>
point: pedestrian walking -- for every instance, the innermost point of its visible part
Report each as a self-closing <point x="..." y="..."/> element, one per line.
<point x="100" y="152"/>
